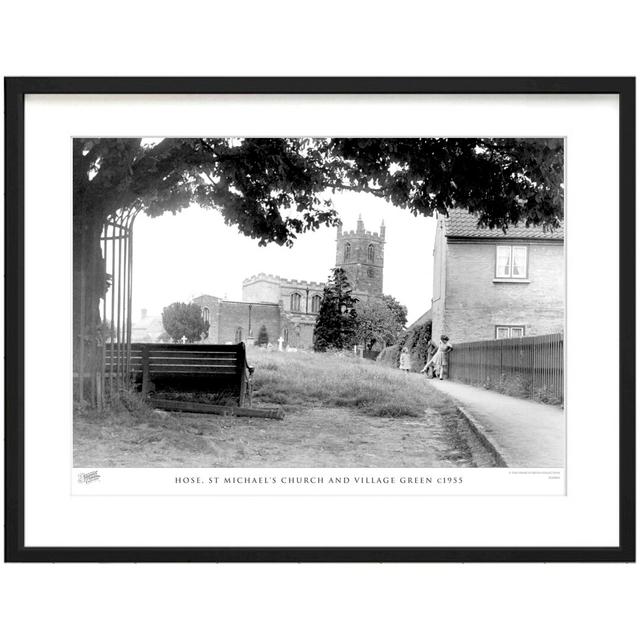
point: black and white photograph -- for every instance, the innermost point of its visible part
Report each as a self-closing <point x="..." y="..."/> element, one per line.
<point x="318" y="302"/>
<point x="320" y="320"/>
<point x="310" y="321"/>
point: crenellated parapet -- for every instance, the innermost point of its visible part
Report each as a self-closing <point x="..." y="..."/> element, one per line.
<point x="362" y="234"/>
<point x="290" y="282"/>
<point x="260" y="277"/>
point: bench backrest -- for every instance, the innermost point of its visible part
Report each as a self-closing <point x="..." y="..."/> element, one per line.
<point x="171" y="360"/>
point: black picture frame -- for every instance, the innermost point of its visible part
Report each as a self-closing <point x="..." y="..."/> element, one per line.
<point x="15" y="91"/>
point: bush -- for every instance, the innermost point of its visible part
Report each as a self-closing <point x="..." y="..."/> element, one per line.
<point x="417" y="341"/>
<point x="182" y="319"/>
<point x="390" y="356"/>
<point x="263" y="337"/>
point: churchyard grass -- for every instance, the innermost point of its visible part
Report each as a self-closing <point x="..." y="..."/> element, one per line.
<point x="340" y="411"/>
<point x="341" y="380"/>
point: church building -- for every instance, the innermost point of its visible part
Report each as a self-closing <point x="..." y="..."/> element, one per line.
<point x="287" y="308"/>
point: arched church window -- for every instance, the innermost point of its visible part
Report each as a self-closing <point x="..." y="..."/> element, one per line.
<point x="295" y="301"/>
<point x="315" y="304"/>
<point x="239" y="334"/>
<point x="205" y="314"/>
<point x="371" y="253"/>
<point x="347" y="250"/>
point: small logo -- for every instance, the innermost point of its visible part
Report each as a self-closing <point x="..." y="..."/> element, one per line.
<point x="90" y="476"/>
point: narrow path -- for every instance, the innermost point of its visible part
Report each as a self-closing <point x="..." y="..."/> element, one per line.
<point x="526" y="433"/>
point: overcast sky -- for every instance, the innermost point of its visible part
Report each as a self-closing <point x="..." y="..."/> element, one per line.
<point x="179" y="257"/>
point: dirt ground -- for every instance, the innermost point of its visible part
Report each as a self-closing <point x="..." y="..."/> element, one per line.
<point x="313" y="436"/>
<point x="339" y="412"/>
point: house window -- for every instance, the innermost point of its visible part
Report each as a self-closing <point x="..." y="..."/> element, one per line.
<point x="370" y="253"/>
<point x="295" y="301"/>
<point x="347" y="251"/>
<point x="509" y="331"/>
<point x="315" y="304"/>
<point x="511" y="261"/>
<point x="205" y="314"/>
<point x="239" y="334"/>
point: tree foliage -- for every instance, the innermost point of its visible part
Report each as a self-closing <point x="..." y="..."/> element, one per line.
<point x="503" y="181"/>
<point x="398" y="310"/>
<point x="274" y="189"/>
<point x="377" y="323"/>
<point x="184" y="319"/>
<point x="336" y="320"/>
<point x="417" y="342"/>
<point x="263" y="337"/>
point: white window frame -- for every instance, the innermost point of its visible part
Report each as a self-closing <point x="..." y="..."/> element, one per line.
<point x="511" y="247"/>
<point x="510" y="328"/>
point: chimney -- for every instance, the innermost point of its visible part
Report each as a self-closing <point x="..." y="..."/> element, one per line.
<point x="360" y="226"/>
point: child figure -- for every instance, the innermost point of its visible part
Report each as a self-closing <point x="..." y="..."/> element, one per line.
<point x="405" y="360"/>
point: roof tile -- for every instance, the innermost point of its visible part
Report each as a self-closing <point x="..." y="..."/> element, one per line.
<point x="462" y="224"/>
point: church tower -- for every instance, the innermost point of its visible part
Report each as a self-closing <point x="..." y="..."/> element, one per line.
<point x="361" y="254"/>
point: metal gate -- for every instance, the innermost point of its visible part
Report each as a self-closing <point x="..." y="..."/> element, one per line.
<point x="116" y="244"/>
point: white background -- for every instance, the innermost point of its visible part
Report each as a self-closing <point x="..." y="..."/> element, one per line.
<point x="489" y="38"/>
<point x="53" y="517"/>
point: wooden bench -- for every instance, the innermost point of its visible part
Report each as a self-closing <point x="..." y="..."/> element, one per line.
<point x="221" y="369"/>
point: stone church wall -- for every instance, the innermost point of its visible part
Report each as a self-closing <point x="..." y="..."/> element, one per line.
<point x="267" y="298"/>
<point x="212" y="305"/>
<point x="245" y="316"/>
<point x="261" y="288"/>
<point x="352" y="254"/>
<point x="298" y="330"/>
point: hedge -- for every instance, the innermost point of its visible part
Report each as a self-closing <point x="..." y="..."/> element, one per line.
<point x="417" y="340"/>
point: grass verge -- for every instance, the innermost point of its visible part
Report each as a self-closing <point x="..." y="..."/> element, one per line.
<point x="341" y="381"/>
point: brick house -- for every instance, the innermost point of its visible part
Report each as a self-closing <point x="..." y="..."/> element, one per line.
<point x="488" y="284"/>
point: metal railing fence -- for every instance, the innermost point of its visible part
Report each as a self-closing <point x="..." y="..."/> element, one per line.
<point x="531" y="367"/>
